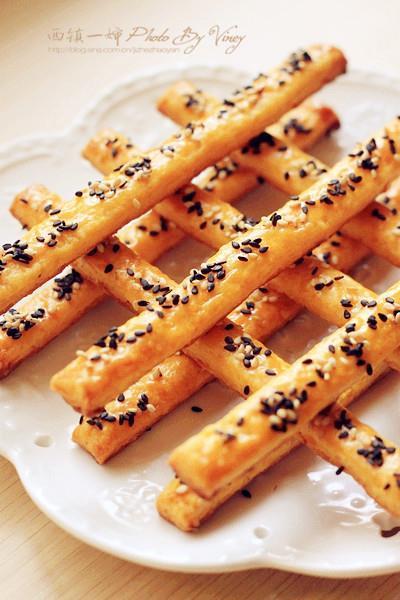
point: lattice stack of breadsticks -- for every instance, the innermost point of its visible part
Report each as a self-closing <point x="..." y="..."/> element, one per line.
<point x="263" y="273"/>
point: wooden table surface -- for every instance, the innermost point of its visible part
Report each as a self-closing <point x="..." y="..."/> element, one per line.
<point x="37" y="559"/>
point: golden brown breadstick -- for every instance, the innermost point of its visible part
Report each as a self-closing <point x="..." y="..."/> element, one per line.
<point x="103" y="207"/>
<point x="379" y="224"/>
<point x="180" y="505"/>
<point x="37" y="197"/>
<point x="268" y="309"/>
<point x="341" y="296"/>
<point x="341" y="250"/>
<point x="203" y="213"/>
<point x="283" y="165"/>
<point x="355" y="447"/>
<point x="151" y="234"/>
<point x="39" y="318"/>
<point x="221" y="351"/>
<point x="224" y="450"/>
<point x="277" y="160"/>
<point x="211" y="291"/>
<point x="110" y="263"/>
<point x="140" y="407"/>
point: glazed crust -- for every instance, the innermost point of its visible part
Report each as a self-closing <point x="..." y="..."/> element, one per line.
<point x="126" y="419"/>
<point x="271" y="311"/>
<point x="379" y="224"/>
<point x="293" y="171"/>
<point x="357" y="448"/>
<point x="224" y="450"/>
<point x="207" y="217"/>
<point x="186" y="509"/>
<point x="149" y="235"/>
<point x="41" y="317"/>
<point x="102" y="208"/>
<point x="288" y="234"/>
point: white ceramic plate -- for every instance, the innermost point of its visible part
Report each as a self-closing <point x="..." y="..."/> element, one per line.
<point x="302" y="517"/>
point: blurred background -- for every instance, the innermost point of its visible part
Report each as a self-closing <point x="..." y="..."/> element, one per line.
<point x="57" y="55"/>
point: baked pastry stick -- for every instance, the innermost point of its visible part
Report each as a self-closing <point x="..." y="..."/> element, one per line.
<point x="257" y="154"/>
<point x="107" y="441"/>
<point x="225" y="181"/>
<point x="226" y="449"/>
<point x="38" y="319"/>
<point x="298" y="124"/>
<point x="229" y="351"/>
<point x="269" y="315"/>
<point x="149" y="235"/>
<point x="110" y="264"/>
<point x="124" y="283"/>
<point x="102" y="207"/>
<point x="249" y="304"/>
<point x="377" y="226"/>
<point x="186" y="509"/>
<point x="172" y="377"/>
<point x="212" y="290"/>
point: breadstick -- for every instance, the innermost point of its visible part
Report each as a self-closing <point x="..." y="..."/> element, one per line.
<point x="110" y="264"/>
<point x="291" y="170"/>
<point x="270" y="154"/>
<point x="34" y="199"/>
<point x="378" y="225"/>
<point x="211" y="291"/>
<point x="221" y="351"/>
<point x="268" y="309"/>
<point x="341" y="296"/>
<point x="211" y="350"/>
<point x="355" y="447"/>
<point x="103" y="207"/>
<point x="140" y="407"/>
<point x="36" y="320"/>
<point x="224" y="450"/>
<point x="203" y="213"/>
<point x="151" y="234"/>
<point x="183" y="507"/>
<point x="244" y="376"/>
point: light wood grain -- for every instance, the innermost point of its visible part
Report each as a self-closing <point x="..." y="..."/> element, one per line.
<point x="39" y="561"/>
